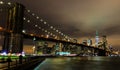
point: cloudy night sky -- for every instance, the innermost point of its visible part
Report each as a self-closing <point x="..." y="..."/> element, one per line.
<point x="80" y="18"/>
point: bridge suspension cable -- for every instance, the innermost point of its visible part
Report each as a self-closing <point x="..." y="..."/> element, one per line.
<point x="44" y="26"/>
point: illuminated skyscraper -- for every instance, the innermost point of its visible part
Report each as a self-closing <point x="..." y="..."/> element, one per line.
<point x="96" y="39"/>
<point x="89" y="42"/>
<point x="104" y="41"/>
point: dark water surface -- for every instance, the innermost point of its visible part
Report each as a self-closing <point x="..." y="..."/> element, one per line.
<point x="80" y="63"/>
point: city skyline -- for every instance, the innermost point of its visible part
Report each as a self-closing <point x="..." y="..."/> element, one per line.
<point x="80" y="19"/>
<point x="59" y="34"/>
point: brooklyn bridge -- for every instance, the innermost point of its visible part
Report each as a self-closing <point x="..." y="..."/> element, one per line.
<point x="18" y="24"/>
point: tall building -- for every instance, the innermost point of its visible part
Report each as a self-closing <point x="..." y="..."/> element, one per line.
<point x="84" y="42"/>
<point x="89" y="42"/>
<point x="96" y="39"/>
<point x="104" y="42"/>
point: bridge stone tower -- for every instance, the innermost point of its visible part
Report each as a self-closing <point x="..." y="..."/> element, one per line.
<point x="13" y="41"/>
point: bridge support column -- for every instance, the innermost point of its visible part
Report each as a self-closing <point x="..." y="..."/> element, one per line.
<point x="13" y="41"/>
<point x="66" y="47"/>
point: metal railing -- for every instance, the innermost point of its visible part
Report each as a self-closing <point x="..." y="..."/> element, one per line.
<point x="17" y="63"/>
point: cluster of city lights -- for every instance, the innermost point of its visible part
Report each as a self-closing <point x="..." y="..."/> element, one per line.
<point x="48" y="25"/>
<point x="12" y="54"/>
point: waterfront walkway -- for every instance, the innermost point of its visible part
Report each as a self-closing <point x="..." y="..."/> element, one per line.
<point x="28" y="63"/>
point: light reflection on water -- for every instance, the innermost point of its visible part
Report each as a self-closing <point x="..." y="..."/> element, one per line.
<point x="80" y="63"/>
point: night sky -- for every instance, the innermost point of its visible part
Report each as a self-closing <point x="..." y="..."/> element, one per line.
<point x="80" y="18"/>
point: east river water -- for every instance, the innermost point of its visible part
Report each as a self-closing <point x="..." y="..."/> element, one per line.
<point x="80" y="63"/>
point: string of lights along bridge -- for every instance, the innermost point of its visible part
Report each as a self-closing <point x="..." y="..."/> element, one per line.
<point x="23" y="23"/>
<point x="41" y="25"/>
<point x="38" y="26"/>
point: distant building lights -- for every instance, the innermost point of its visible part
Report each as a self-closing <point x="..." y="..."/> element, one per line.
<point x="63" y="53"/>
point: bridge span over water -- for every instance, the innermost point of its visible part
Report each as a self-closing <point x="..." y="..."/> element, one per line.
<point x="19" y="23"/>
